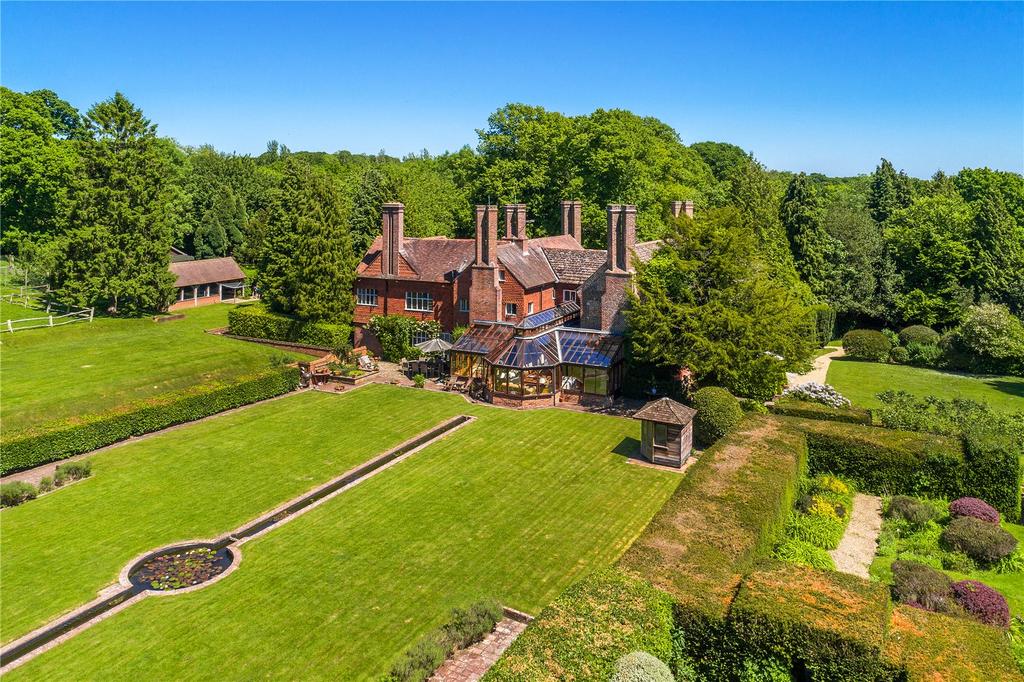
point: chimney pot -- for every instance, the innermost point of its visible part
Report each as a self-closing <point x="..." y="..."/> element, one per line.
<point x="682" y="208"/>
<point x="621" y="236"/>
<point x="486" y="234"/>
<point x="572" y="213"/>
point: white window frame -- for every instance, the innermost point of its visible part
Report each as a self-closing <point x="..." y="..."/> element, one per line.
<point x="501" y="275"/>
<point x="511" y="310"/>
<point x="366" y="296"/>
<point x="529" y="308"/>
<point x="568" y="295"/>
<point x="419" y="301"/>
<point x="463" y="305"/>
<point x="420" y="336"/>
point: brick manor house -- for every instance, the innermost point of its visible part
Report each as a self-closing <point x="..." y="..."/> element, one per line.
<point x="545" y="315"/>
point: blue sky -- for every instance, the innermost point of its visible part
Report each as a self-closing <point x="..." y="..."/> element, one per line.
<point x="826" y="87"/>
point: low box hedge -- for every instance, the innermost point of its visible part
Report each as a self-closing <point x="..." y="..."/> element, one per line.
<point x="808" y="410"/>
<point x="255" y="321"/>
<point x="587" y="628"/>
<point x="886" y="461"/>
<point x="64" y="438"/>
<point x="830" y="624"/>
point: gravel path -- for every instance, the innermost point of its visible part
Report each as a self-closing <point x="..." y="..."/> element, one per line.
<point x="857" y="548"/>
<point x="818" y="372"/>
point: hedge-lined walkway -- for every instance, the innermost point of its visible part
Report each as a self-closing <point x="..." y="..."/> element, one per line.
<point x="471" y="663"/>
<point x="856" y="550"/>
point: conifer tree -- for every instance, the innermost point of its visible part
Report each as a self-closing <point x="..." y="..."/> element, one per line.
<point x="814" y="251"/>
<point x="890" y="191"/>
<point x="306" y="265"/>
<point x="117" y="253"/>
<point x="376" y="188"/>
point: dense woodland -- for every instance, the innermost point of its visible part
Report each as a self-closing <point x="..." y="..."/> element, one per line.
<point x="93" y="200"/>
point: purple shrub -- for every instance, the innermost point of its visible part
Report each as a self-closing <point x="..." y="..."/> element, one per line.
<point x="973" y="507"/>
<point x="982" y="602"/>
<point x="921" y="586"/>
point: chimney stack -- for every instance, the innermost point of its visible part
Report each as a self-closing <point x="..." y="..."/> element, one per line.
<point x="681" y="208"/>
<point x="621" y="237"/>
<point x="486" y="234"/>
<point x="392" y="220"/>
<point x="515" y="224"/>
<point x="572" y="213"/>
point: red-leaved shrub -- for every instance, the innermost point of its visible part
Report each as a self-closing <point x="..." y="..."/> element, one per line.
<point x="982" y="602"/>
<point x="973" y="507"/>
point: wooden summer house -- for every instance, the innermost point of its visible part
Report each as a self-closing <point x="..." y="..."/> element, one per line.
<point x="666" y="432"/>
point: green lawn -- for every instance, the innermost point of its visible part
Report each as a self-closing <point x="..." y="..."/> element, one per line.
<point x="196" y="482"/>
<point x="516" y="506"/>
<point x="862" y="381"/>
<point x="88" y="367"/>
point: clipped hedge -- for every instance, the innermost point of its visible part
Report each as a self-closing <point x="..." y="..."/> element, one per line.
<point x="64" y="438"/>
<point x="867" y="344"/>
<point x="830" y="624"/>
<point x="255" y="321"/>
<point x="718" y="412"/>
<point x="886" y="461"/>
<point x="808" y="410"/>
<point x="583" y="633"/>
<point x="729" y="510"/>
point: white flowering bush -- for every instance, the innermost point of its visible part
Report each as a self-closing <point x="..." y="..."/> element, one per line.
<point x="817" y="393"/>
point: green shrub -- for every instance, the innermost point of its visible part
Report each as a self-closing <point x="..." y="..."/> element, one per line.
<point x="73" y="471"/>
<point x="958" y="561"/>
<point x="918" y="585"/>
<point x="912" y="510"/>
<point x="866" y="344"/>
<point x="751" y="406"/>
<point x="761" y="380"/>
<point x="640" y="666"/>
<point x="61" y="439"/>
<point x="984" y="542"/>
<point x="924" y="355"/>
<point x="584" y="632"/>
<point x="823" y="323"/>
<point x="419" y="380"/>
<point x="989" y="340"/>
<point x="464" y="627"/>
<point x="255" y="321"/>
<point x="718" y="412"/>
<point x="894" y="338"/>
<point x="394" y="333"/>
<point x="919" y="333"/>
<point x="804" y="554"/>
<point x="14" y="493"/>
<point x="765" y="670"/>
<point x="45" y="484"/>
<point x="809" y="410"/>
<point x="899" y="355"/>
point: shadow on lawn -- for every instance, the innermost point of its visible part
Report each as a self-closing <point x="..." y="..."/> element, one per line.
<point x="1015" y="388"/>
<point x="628" y="447"/>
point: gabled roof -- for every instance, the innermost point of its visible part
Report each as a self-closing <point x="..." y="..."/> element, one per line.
<point x="666" y="411"/>
<point x="574" y="266"/>
<point x="432" y="259"/>
<point x="646" y="250"/>
<point x="209" y="271"/>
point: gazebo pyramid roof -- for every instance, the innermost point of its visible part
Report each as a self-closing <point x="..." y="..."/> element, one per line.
<point x="666" y="411"/>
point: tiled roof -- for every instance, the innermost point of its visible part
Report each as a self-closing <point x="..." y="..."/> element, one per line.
<point x="666" y="411"/>
<point x="209" y="271"/>
<point x="574" y="266"/>
<point x="434" y="259"/>
<point x="646" y="250"/>
<point x="530" y="268"/>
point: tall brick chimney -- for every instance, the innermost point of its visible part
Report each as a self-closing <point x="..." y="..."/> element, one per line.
<point x="484" y="287"/>
<point x="682" y="208"/>
<point x="392" y="223"/>
<point x="486" y="234"/>
<point x="515" y="224"/>
<point x="572" y="215"/>
<point x="621" y="237"/>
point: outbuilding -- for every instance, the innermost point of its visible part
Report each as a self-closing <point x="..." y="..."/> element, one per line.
<point x="666" y="432"/>
<point x="202" y="282"/>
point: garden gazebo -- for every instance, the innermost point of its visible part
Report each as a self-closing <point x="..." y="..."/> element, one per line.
<point x="666" y="432"/>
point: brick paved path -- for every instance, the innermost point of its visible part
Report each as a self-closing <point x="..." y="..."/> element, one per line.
<point x="469" y="665"/>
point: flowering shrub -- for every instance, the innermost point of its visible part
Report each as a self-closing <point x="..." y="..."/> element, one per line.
<point x="982" y="602"/>
<point x="817" y="393"/>
<point x="920" y="586"/>
<point x="833" y="484"/>
<point x="973" y="507"/>
<point x="819" y="506"/>
<point x="984" y="542"/>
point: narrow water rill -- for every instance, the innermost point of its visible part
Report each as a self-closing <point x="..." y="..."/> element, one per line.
<point x="193" y="565"/>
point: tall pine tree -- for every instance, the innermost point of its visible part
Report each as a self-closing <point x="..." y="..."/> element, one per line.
<point x="814" y="251"/>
